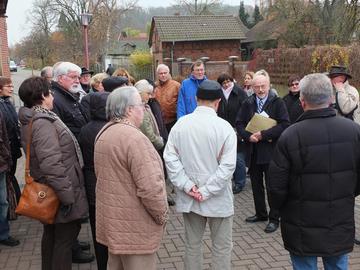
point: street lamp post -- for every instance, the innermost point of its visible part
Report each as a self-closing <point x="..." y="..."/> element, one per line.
<point x="85" y="21"/>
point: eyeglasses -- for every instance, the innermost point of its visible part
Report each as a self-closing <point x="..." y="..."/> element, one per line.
<point x="294" y="84"/>
<point x="259" y="87"/>
<point x="73" y="77"/>
<point x="9" y="85"/>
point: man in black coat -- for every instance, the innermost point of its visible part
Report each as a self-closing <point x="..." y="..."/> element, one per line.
<point x="70" y="111"/>
<point x="259" y="145"/>
<point x="66" y="102"/>
<point x="314" y="178"/>
<point x="231" y="99"/>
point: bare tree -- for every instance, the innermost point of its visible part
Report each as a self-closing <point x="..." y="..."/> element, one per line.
<point x="198" y="7"/>
<point x="43" y="20"/>
<point x="317" y="22"/>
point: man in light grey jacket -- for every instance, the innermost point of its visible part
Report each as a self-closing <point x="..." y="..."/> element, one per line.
<point x="200" y="158"/>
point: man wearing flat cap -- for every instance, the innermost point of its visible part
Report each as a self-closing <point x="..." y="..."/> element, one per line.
<point x="346" y="96"/>
<point x="200" y="158"/>
<point x="85" y="77"/>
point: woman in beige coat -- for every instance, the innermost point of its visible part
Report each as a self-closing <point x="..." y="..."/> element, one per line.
<point x="55" y="160"/>
<point x="131" y="205"/>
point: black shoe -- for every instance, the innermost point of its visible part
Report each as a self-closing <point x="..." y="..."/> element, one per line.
<point x="10" y="242"/>
<point x="82" y="257"/>
<point x="255" y="219"/>
<point x="356" y="242"/>
<point x="237" y="189"/>
<point x="84" y="245"/>
<point x="271" y="227"/>
<point x="171" y="201"/>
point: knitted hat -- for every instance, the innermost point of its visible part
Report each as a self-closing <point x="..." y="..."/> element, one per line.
<point x="209" y="90"/>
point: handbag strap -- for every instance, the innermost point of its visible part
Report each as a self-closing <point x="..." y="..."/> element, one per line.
<point x="28" y="179"/>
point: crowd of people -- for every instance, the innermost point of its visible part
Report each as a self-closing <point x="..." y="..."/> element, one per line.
<point x="109" y="145"/>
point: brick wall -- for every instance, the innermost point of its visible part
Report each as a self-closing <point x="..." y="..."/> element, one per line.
<point x="213" y="69"/>
<point x="4" y="49"/>
<point x="216" y="50"/>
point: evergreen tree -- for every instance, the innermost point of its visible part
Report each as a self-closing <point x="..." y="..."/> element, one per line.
<point x="257" y="15"/>
<point x="243" y="15"/>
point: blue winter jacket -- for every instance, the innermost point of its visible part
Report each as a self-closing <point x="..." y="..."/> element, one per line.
<point x="187" y="96"/>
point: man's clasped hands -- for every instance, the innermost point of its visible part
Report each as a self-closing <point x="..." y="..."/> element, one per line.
<point x="195" y="193"/>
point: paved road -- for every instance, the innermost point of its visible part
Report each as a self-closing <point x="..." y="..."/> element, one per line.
<point x="253" y="248"/>
<point x="18" y="78"/>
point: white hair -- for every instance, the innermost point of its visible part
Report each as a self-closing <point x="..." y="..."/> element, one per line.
<point x="162" y="66"/>
<point x="119" y="100"/>
<point x="46" y="72"/>
<point x="144" y="86"/>
<point x="262" y="72"/>
<point x="316" y="89"/>
<point x="64" y="68"/>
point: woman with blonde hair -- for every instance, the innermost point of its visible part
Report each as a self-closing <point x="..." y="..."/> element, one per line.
<point x="124" y="73"/>
<point x="96" y="82"/>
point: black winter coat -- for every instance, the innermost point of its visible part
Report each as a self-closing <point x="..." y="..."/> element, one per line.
<point x="293" y="106"/>
<point x="156" y="110"/>
<point x="86" y="140"/>
<point x="12" y="126"/>
<point x="68" y="108"/>
<point x="314" y="178"/>
<point x="229" y="109"/>
<point x="5" y="155"/>
<point x="276" y="109"/>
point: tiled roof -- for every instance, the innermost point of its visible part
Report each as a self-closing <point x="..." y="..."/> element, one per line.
<point x="127" y="46"/>
<point x="201" y="27"/>
<point x="265" y="30"/>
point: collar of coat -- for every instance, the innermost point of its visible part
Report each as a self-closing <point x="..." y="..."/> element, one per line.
<point x="319" y="113"/>
<point x="271" y="97"/>
<point x="58" y="88"/>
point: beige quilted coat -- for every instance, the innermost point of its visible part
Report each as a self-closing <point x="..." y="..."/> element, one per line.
<point x="131" y="204"/>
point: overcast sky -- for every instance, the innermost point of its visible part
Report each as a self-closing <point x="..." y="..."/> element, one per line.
<point x="17" y="11"/>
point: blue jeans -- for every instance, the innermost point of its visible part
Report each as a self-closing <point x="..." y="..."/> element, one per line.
<point x="4" y="223"/>
<point x="310" y="262"/>
<point x="240" y="170"/>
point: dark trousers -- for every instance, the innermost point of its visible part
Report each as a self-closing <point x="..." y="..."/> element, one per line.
<point x="56" y="243"/>
<point x="257" y="174"/>
<point x="101" y="251"/>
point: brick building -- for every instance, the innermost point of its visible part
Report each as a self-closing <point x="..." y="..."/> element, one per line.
<point x="193" y="37"/>
<point x="4" y="49"/>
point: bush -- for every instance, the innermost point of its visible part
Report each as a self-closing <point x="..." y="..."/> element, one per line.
<point x="141" y="59"/>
